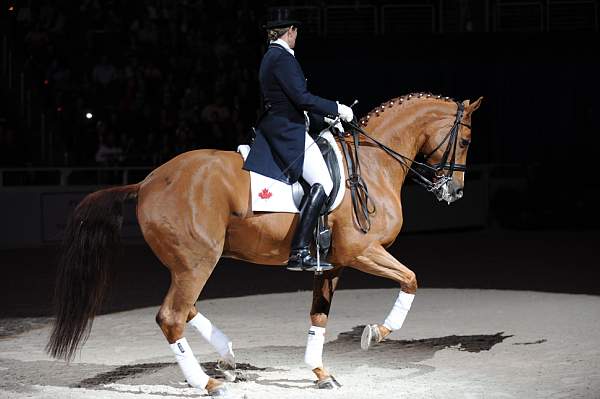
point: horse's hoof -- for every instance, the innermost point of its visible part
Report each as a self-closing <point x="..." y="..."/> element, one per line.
<point x="370" y="336"/>
<point x="221" y="392"/>
<point x="227" y="369"/>
<point x="329" y="383"/>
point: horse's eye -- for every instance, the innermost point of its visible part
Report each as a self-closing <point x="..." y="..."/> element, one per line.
<point x="464" y="143"/>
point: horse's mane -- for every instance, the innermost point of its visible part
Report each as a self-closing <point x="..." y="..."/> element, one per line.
<point x="400" y="100"/>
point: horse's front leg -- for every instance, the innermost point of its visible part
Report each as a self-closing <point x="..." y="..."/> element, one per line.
<point x="323" y="288"/>
<point x="377" y="261"/>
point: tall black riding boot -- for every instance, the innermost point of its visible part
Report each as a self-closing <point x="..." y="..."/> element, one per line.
<point x="300" y="257"/>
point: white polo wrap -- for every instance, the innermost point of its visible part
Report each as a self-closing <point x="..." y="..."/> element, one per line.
<point x="314" y="347"/>
<point x="213" y="336"/>
<point x="398" y="313"/>
<point x="192" y="371"/>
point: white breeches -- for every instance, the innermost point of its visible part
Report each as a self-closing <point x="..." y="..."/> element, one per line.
<point x="315" y="169"/>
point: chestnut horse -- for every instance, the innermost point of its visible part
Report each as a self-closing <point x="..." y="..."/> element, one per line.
<point x="195" y="209"/>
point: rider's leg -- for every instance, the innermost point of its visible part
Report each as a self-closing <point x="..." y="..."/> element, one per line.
<point x="316" y="174"/>
<point x="314" y="169"/>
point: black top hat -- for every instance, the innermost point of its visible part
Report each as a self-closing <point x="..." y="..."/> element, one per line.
<point x="280" y="18"/>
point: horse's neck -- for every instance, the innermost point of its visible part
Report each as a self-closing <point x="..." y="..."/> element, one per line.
<point x="402" y="133"/>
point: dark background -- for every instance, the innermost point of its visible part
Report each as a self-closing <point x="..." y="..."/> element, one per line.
<point x="164" y="77"/>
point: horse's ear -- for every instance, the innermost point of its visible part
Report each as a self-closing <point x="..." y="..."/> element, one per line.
<point x="470" y="107"/>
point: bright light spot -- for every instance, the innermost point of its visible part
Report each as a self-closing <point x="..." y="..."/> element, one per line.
<point x="89" y="115"/>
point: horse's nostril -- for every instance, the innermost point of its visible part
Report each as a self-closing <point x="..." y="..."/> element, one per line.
<point x="459" y="191"/>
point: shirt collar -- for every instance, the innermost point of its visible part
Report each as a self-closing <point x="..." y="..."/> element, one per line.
<point x="283" y="44"/>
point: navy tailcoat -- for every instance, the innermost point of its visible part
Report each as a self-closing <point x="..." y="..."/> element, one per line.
<point x="278" y="148"/>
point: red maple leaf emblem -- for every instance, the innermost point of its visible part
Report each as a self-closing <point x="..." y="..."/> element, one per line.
<point x="265" y="194"/>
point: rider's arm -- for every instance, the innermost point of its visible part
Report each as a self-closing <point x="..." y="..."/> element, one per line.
<point x="292" y="81"/>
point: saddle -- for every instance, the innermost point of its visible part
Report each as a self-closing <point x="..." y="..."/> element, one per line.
<point x="271" y="195"/>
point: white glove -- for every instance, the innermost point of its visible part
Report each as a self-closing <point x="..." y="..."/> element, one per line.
<point x="345" y="112"/>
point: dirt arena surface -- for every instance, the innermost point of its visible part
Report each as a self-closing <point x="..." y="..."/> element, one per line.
<point x="455" y="344"/>
<point x="468" y="341"/>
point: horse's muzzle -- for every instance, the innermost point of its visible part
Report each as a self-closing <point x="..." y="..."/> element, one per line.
<point x="450" y="191"/>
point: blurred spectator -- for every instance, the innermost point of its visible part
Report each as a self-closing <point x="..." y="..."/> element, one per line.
<point x="109" y="152"/>
<point x="172" y="76"/>
<point x="104" y="72"/>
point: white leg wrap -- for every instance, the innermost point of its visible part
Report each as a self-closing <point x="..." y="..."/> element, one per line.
<point x="213" y="336"/>
<point x="398" y="313"/>
<point x="192" y="371"/>
<point x="314" y="347"/>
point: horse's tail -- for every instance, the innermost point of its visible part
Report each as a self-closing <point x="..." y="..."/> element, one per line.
<point x="92" y="236"/>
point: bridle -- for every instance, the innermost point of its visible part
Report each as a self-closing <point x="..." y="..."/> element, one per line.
<point x="420" y="170"/>
<point x="436" y="184"/>
<point x="452" y="138"/>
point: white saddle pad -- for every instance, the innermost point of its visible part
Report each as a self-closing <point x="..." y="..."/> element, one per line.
<point x="271" y="195"/>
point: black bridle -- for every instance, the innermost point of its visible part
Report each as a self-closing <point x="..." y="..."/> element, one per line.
<point x="435" y="183"/>
<point x="421" y="169"/>
<point x="452" y="138"/>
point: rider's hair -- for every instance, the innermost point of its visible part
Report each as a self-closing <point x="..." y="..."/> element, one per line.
<point x="276" y="33"/>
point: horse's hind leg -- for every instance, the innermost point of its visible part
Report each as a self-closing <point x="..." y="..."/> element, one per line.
<point x="172" y="316"/>
<point x="323" y="288"/>
<point x="376" y="260"/>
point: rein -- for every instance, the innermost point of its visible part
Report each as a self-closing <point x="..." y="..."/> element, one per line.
<point x="358" y="187"/>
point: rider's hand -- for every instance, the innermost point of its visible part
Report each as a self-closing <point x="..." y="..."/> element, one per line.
<point x="345" y="112"/>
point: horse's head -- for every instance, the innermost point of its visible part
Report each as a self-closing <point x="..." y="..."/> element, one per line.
<point x="445" y="148"/>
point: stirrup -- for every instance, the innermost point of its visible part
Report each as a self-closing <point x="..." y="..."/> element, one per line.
<point x="301" y="260"/>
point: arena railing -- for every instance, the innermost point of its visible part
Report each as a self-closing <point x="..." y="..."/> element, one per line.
<point x="437" y="16"/>
<point x="36" y="202"/>
<point x="71" y="176"/>
<point x="398" y="18"/>
<point x="351" y="20"/>
<point x="564" y="15"/>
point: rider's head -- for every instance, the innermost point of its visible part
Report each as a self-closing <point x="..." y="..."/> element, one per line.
<point x="288" y="35"/>
<point x="281" y="26"/>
